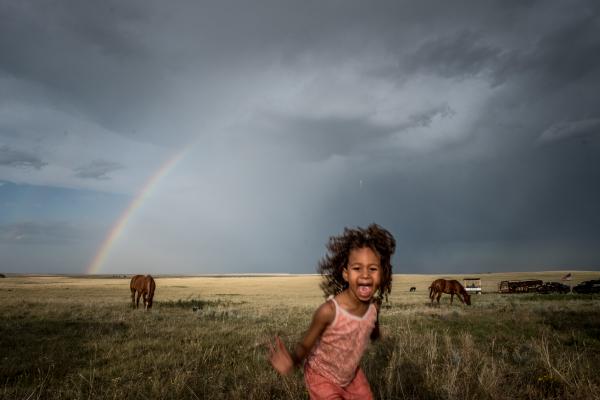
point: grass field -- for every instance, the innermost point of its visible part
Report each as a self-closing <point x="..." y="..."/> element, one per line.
<point x="77" y="337"/>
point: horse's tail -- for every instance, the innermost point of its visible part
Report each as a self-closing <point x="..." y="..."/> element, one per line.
<point x="150" y="285"/>
<point x="430" y="291"/>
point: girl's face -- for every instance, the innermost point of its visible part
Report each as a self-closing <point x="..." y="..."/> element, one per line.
<point x="363" y="273"/>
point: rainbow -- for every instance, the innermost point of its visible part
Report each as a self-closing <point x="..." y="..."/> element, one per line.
<point x="117" y="229"/>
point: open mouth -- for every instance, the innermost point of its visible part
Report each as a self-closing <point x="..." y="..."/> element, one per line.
<point x="365" y="290"/>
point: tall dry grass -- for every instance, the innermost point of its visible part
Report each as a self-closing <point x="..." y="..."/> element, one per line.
<point x="77" y="338"/>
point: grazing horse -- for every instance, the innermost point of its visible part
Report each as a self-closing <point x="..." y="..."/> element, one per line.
<point x="144" y="286"/>
<point x="451" y="287"/>
<point x="412" y="289"/>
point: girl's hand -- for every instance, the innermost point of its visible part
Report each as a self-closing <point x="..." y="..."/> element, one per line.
<point x="280" y="358"/>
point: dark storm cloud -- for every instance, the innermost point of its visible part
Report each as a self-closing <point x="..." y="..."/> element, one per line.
<point x="318" y="138"/>
<point x="570" y="129"/>
<point x="505" y="212"/>
<point x="552" y="56"/>
<point x="460" y="55"/>
<point x="18" y="158"/>
<point x="468" y="128"/>
<point x="114" y="61"/>
<point x="87" y="57"/>
<point x="424" y="118"/>
<point x="571" y="52"/>
<point x="501" y="193"/>
<point x="97" y="169"/>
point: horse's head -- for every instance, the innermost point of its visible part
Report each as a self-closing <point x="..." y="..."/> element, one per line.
<point x="467" y="297"/>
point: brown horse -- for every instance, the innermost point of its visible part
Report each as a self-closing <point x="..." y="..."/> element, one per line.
<point x="451" y="287"/>
<point x="144" y="286"/>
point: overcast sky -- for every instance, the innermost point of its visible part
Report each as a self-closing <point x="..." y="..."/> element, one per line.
<point x="470" y="130"/>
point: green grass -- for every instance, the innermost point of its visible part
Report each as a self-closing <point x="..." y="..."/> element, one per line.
<point x="80" y="339"/>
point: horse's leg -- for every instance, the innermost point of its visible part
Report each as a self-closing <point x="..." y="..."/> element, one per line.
<point x="133" y="298"/>
<point x="438" y="297"/>
<point x="137" y="300"/>
<point x="145" y="301"/>
<point x="451" y="298"/>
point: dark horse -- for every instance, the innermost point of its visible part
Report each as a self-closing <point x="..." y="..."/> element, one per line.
<point x="451" y="287"/>
<point x="144" y="286"/>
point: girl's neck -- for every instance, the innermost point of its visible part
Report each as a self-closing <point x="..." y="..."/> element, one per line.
<point x="351" y="304"/>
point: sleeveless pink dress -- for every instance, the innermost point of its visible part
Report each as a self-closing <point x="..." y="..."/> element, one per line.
<point x="337" y="354"/>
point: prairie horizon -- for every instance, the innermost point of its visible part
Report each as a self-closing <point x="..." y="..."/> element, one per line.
<point x="556" y="275"/>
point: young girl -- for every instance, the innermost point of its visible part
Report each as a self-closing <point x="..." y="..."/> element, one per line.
<point x="357" y="275"/>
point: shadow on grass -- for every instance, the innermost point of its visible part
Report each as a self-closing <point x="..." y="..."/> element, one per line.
<point x="585" y="323"/>
<point x="197" y="304"/>
<point x="32" y="347"/>
<point x="392" y="376"/>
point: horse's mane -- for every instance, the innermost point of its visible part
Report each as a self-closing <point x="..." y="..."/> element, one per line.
<point x="461" y="288"/>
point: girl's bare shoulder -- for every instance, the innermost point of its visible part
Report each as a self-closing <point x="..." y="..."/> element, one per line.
<point x="326" y="312"/>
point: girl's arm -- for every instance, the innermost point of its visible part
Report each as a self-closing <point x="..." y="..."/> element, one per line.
<point x="282" y="360"/>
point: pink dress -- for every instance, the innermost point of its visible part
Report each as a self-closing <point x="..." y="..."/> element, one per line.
<point x="337" y="354"/>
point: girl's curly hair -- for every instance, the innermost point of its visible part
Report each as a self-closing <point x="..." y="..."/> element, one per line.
<point x="332" y="265"/>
